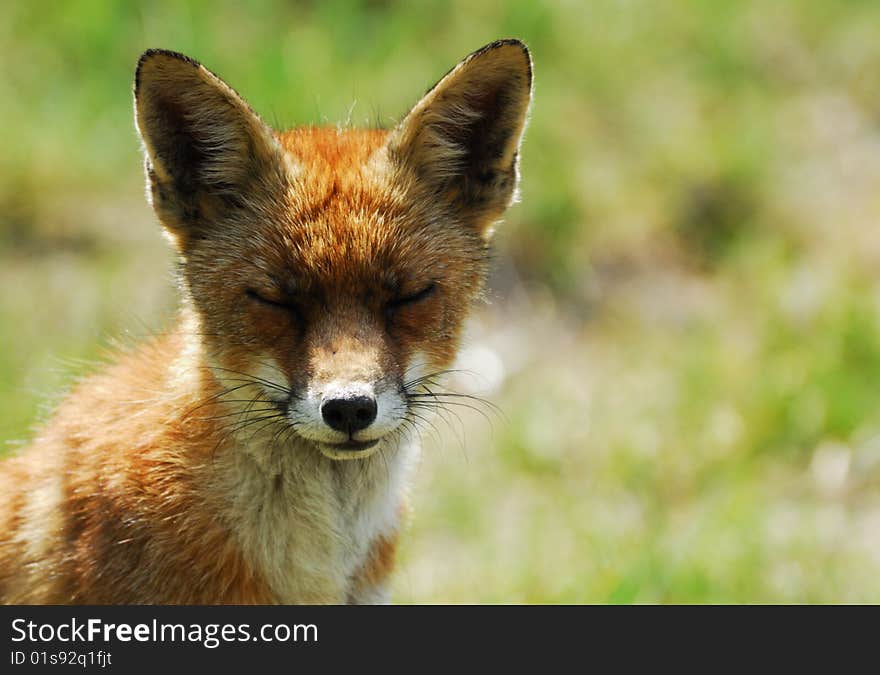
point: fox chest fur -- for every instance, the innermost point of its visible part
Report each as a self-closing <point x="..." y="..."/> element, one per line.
<point x="338" y="540"/>
<point x="259" y="452"/>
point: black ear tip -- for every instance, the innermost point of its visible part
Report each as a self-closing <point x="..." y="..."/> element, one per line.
<point x="152" y="55"/>
<point x="506" y="43"/>
<point x="510" y="45"/>
<point x="511" y="42"/>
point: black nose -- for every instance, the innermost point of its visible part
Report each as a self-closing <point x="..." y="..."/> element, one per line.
<point x="349" y="414"/>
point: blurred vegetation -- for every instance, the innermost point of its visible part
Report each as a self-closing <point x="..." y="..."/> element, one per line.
<point x="685" y="306"/>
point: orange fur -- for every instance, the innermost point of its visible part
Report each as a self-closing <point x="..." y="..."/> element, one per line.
<point x="377" y="566"/>
<point x="234" y="460"/>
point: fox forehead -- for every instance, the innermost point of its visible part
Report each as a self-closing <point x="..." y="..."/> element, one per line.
<point x="332" y="153"/>
<point x="346" y="217"/>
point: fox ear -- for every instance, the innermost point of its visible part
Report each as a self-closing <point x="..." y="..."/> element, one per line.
<point x="462" y="139"/>
<point x="206" y="151"/>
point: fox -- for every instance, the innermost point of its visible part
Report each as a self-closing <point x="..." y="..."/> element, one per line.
<point x="260" y="450"/>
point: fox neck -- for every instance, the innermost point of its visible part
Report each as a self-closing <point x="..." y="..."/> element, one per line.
<point x="309" y="528"/>
<point x="305" y="522"/>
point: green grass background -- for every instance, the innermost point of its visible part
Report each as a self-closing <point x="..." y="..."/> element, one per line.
<point x="683" y="326"/>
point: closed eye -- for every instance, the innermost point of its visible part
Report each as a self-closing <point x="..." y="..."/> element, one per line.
<point x="288" y="305"/>
<point x="414" y="298"/>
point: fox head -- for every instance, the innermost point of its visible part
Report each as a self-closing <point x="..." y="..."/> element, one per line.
<point x="332" y="269"/>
